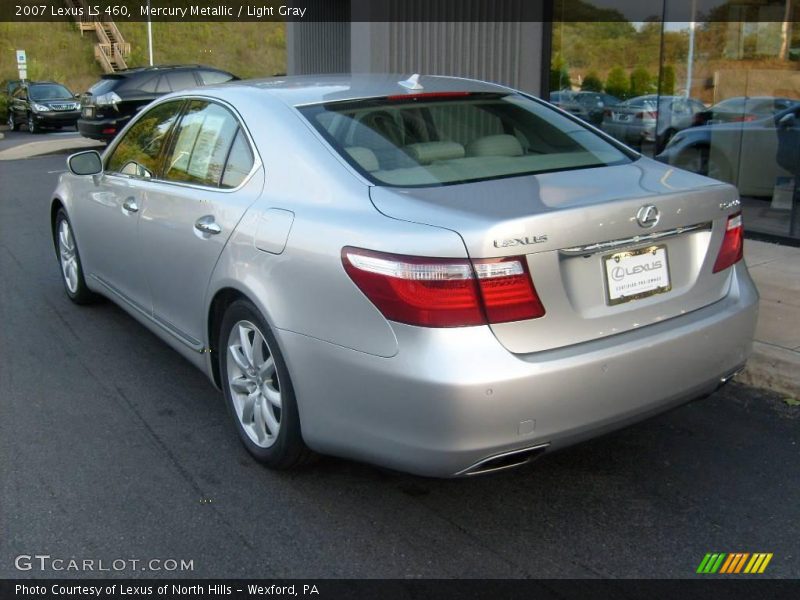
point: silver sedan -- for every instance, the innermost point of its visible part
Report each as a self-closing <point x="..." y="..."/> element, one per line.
<point x="437" y="275"/>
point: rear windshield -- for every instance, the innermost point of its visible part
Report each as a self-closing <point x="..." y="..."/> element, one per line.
<point x="429" y="140"/>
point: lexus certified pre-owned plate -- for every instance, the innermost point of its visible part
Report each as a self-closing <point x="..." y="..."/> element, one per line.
<point x="636" y="274"/>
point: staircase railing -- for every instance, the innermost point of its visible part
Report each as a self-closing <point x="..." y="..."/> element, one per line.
<point x="110" y="54"/>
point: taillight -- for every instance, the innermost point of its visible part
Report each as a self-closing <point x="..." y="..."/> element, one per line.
<point x="444" y="292"/>
<point x="732" y="244"/>
<point x="650" y="114"/>
<point x="743" y="118"/>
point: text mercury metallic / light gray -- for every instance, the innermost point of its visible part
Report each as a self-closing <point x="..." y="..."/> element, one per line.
<point x="437" y="275"/>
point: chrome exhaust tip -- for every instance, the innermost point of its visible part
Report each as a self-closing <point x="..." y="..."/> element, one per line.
<point x="504" y="461"/>
<point x="730" y="376"/>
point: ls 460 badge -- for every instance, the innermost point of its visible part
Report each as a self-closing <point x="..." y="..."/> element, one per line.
<point x="523" y="241"/>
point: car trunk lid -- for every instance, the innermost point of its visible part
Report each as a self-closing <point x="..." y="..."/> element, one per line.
<point x="568" y="225"/>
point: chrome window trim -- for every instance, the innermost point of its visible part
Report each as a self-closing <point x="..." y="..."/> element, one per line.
<point x="637" y="239"/>
<point x="257" y="162"/>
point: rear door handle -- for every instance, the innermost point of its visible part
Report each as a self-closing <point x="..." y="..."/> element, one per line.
<point x="130" y="205"/>
<point x="207" y="225"/>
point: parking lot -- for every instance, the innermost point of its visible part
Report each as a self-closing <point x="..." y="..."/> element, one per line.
<point x="113" y="447"/>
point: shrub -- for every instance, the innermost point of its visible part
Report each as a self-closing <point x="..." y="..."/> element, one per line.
<point x="592" y="82"/>
<point x="617" y="83"/>
<point x="559" y="75"/>
<point x="668" y="80"/>
<point x="641" y="82"/>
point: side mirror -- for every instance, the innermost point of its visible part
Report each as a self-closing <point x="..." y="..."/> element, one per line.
<point x="787" y="121"/>
<point x="85" y="163"/>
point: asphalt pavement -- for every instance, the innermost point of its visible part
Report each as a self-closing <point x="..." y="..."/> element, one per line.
<point x="113" y="447"/>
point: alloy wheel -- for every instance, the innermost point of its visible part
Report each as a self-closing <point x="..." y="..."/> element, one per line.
<point x="68" y="256"/>
<point x="254" y="385"/>
<point x="11" y="124"/>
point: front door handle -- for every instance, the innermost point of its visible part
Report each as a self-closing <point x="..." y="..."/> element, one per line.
<point x="130" y="205"/>
<point x="207" y="225"/>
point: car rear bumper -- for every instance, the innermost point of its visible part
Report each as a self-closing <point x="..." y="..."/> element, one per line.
<point x="101" y="129"/>
<point x="452" y="398"/>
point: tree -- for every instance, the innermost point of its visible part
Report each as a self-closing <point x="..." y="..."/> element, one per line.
<point x="641" y="82"/>
<point x="559" y="75"/>
<point x="592" y="83"/>
<point x="667" y="80"/>
<point x="617" y="83"/>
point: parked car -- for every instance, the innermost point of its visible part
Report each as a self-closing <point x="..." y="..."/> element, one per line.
<point x="42" y="104"/>
<point x="560" y="97"/>
<point x="589" y="106"/>
<point x="742" y="109"/>
<point x="433" y="274"/>
<point x="742" y="153"/>
<point x="111" y="102"/>
<point x="652" y="119"/>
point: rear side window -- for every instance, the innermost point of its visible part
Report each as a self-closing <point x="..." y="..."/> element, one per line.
<point x="181" y="80"/>
<point x="146" y="84"/>
<point x="202" y="142"/>
<point x="240" y="162"/>
<point x="163" y="87"/>
<point x="213" y="77"/>
<point x="431" y="139"/>
<point x="138" y="152"/>
<point x="105" y="85"/>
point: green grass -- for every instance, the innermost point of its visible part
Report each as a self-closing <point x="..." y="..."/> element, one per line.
<point x="57" y="51"/>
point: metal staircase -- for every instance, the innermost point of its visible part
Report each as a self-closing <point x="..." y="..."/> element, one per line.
<point x="111" y="49"/>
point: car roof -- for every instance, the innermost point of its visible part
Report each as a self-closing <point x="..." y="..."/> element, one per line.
<point x="315" y="89"/>
<point x="155" y="68"/>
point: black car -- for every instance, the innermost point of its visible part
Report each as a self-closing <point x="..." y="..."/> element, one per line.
<point x="111" y="102"/>
<point x="41" y="104"/>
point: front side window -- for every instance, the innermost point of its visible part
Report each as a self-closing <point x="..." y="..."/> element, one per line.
<point x="431" y="139"/>
<point x="137" y="153"/>
<point x="202" y="143"/>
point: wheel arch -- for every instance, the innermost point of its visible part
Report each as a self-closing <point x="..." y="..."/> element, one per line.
<point x="55" y="205"/>
<point x="221" y="300"/>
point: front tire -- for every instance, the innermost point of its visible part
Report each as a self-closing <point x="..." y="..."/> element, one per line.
<point x="32" y="127"/>
<point x="69" y="260"/>
<point x="258" y="389"/>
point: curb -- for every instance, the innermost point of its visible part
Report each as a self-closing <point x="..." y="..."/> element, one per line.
<point x="773" y="368"/>
<point x="32" y="149"/>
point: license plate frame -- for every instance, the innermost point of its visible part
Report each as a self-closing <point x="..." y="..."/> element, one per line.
<point x="661" y="276"/>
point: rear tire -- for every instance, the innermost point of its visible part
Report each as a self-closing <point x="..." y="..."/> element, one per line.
<point x="12" y="122"/>
<point x="258" y="389"/>
<point x="69" y="259"/>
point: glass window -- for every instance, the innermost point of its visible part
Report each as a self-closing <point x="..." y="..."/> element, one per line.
<point x="49" y="91"/>
<point x="730" y="70"/>
<point x="148" y="84"/>
<point x="212" y="77"/>
<point x="202" y="141"/>
<point x="138" y="152"/>
<point x="240" y="162"/>
<point x="162" y="87"/>
<point x="439" y="141"/>
<point x="180" y="80"/>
